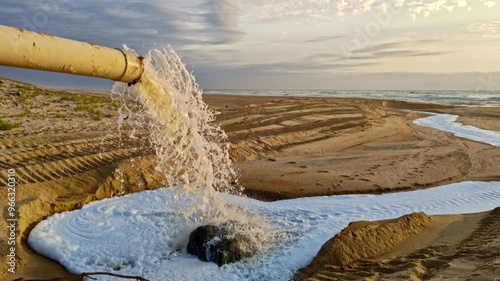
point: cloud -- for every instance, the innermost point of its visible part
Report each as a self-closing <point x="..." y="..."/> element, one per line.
<point x="136" y="23"/>
<point x="393" y="54"/>
<point x="407" y="53"/>
<point x="212" y="36"/>
<point x="324" y="38"/>
<point x="429" y="53"/>
<point x="402" y="47"/>
<point x="337" y="62"/>
<point x="226" y="13"/>
<point x="402" y="41"/>
<point x="379" y="47"/>
<point x="306" y="66"/>
<point x="488" y="3"/>
<point x="431" y="40"/>
<point x="483" y="29"/>
<point x="327" y="9"/>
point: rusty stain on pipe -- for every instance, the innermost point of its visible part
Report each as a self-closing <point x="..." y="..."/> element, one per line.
<point x="35" y="50"/>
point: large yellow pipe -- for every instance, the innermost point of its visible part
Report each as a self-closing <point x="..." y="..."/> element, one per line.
<point x="29" y="49"/>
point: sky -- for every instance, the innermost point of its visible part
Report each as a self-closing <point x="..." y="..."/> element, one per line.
<point x="285" y="44"/>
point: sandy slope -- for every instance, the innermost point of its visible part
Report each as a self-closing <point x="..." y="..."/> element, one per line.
<point x="458" y="247"/>
<point x="65" y="155"/>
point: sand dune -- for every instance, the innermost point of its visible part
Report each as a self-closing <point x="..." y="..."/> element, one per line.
<point x="68" y="152"/>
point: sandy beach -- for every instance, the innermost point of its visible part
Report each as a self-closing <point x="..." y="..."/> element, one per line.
<point x="67" y="151"/>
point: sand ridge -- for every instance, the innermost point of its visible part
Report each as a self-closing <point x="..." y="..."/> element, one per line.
<point x="452" y="248"/>
<point x="363" y="240"/>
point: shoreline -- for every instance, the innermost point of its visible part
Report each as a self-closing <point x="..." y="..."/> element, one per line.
<point x="321" y="146"/>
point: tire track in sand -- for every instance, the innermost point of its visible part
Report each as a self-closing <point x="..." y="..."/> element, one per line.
<point x="71" y="154"/>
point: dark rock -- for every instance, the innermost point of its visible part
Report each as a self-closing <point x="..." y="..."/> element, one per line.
<point x="220" y="243"/>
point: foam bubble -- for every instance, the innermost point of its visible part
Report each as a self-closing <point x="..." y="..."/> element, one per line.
<point x="136" y="234"/>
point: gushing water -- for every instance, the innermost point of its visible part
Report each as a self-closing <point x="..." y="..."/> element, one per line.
<point x="189" y="146"/>
<point x="190" y="149"/>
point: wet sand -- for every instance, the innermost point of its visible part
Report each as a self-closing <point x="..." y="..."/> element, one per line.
<point x="316" y="146"/>
<point x="453" y="247"/>
<point x="67" y="154"/>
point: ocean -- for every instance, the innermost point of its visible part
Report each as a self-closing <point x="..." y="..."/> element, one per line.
<point x="456" y="98"/>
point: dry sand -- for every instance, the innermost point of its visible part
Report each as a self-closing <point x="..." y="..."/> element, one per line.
<point x="66" y="154"/>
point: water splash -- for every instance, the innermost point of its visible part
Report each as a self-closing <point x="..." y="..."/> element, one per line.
<point x="191" y="150"/>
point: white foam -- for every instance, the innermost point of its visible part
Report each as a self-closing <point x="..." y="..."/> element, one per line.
<point x="133" y="234"/>
<point x="139" y="234"/>
<point x="447" y="122"/>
